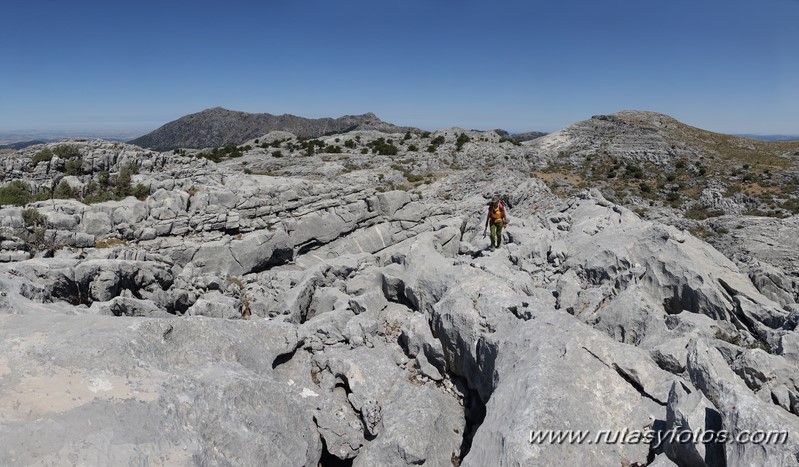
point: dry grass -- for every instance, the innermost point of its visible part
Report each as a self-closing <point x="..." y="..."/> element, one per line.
<point x="109" y="242"/>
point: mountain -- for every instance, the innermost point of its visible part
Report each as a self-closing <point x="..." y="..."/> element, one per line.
<point x="22" y="144"/>
<point x="657" y="138"/>
<point x="527" y="136"/>
<point x="219" y="127"/>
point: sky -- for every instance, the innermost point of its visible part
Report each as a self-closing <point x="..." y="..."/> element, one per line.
<point x="725" y="65"/>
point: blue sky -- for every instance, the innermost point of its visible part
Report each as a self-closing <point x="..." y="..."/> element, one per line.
<point x="729" y="66"/>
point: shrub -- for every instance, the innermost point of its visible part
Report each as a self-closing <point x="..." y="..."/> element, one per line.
<point x="365" y="151"/>
<point x="42" y="156"/>
<point x="438" y="140"/>
<point x="122" y="187"/>
<point x="383" y="147"/>
<point x="426" y="134"/>
<point x="63" y="191"/>
<point x="277" y="154"/>
<point x="701" y="213"/>
<point x="350" y="144"/>
<point x="413" y="148"/>
<point x="407" y="135"/>
<point x="32" y="217"/>
<point x="16" y="193"/>
<point x="634" y="171"/>
<point x="645" y="188"/>
<point x="463" y="138"/>
<point x="140" y="191"/>
<point x="74" y="167"/>
<point x="66" y="151"/>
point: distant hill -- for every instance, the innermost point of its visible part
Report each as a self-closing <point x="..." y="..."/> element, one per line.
<point x="520" y="137"/>
<point x="771" y="137"/>
<point x="649" y="160"/>
<point x="219" y="127"/>
<point x="22" y="144"/>
<point x="660" y="139"/>
<point x="527" y="136"/>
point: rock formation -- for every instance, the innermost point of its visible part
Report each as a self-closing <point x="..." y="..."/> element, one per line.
<point x="342" y="309"/>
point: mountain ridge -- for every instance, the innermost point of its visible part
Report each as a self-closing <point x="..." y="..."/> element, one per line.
<point x="218" y="126"/>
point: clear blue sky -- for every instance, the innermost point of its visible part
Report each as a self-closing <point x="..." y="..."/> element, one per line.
<point x="725" y="65"/>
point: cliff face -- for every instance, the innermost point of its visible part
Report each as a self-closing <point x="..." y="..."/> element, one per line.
<point x="344" y="307"/>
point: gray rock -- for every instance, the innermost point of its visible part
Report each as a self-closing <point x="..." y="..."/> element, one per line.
<point x="216" y="305"/>
<point x="689" y="413"/>
<point x="742" y="411"/>
<point x="125" y="306"/>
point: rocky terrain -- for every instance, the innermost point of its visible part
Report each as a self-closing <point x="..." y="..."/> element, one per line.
<point x="333" y="302"/>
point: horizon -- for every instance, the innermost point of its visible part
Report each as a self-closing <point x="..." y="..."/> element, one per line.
<point x="127" y="135"/>
<point x="726" y="67"/>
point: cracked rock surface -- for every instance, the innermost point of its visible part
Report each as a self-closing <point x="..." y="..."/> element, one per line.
<point x="304" y="319"/>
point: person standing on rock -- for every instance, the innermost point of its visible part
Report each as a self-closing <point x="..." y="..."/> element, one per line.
<point x="496" y="219"/>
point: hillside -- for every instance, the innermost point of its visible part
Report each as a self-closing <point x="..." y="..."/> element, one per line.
<point x="646" y="160"/>
<point x="221" y="127"/>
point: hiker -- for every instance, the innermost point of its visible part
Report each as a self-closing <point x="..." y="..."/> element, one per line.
<point x="497" y="219"/>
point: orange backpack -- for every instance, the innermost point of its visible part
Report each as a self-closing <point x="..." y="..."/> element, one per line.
<point x="496" y="213"/>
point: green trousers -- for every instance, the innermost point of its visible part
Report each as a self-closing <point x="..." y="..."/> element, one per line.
<point x="496" y="234"/>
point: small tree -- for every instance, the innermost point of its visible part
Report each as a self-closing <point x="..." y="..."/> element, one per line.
<point x="32" y="218"/>
<point x="463" y="138"/>
<point x="74" y="167"/>
<point x="140" y="191"/>
<point x="65" y="151"/>
<point x="63" y="191"/>
<point x="16" y="193"/>
<point x="42" y="156"/>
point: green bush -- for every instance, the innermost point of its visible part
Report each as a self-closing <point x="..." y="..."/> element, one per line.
<point x="437" y="141"/>
<point x="633" y="171"/>
<point x="383" y="147"/>
<point x="63" y="191"/>
<point x="463" y="138"/>
<point x="140" y="191"/>
<point x="645" y="188"/>
<point x="42" y="156"/>
<point x="413" y="148"/>
<point x="16" y="193"/>
<point x="74" y="167"/>
<point x="350" y="144"/>
<point x="277" y="154"/>
<point x="32" y="217"/>
<point x="66" y="151"/>
<point x="701" y="213"/>
<point x="122" y="186"/>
